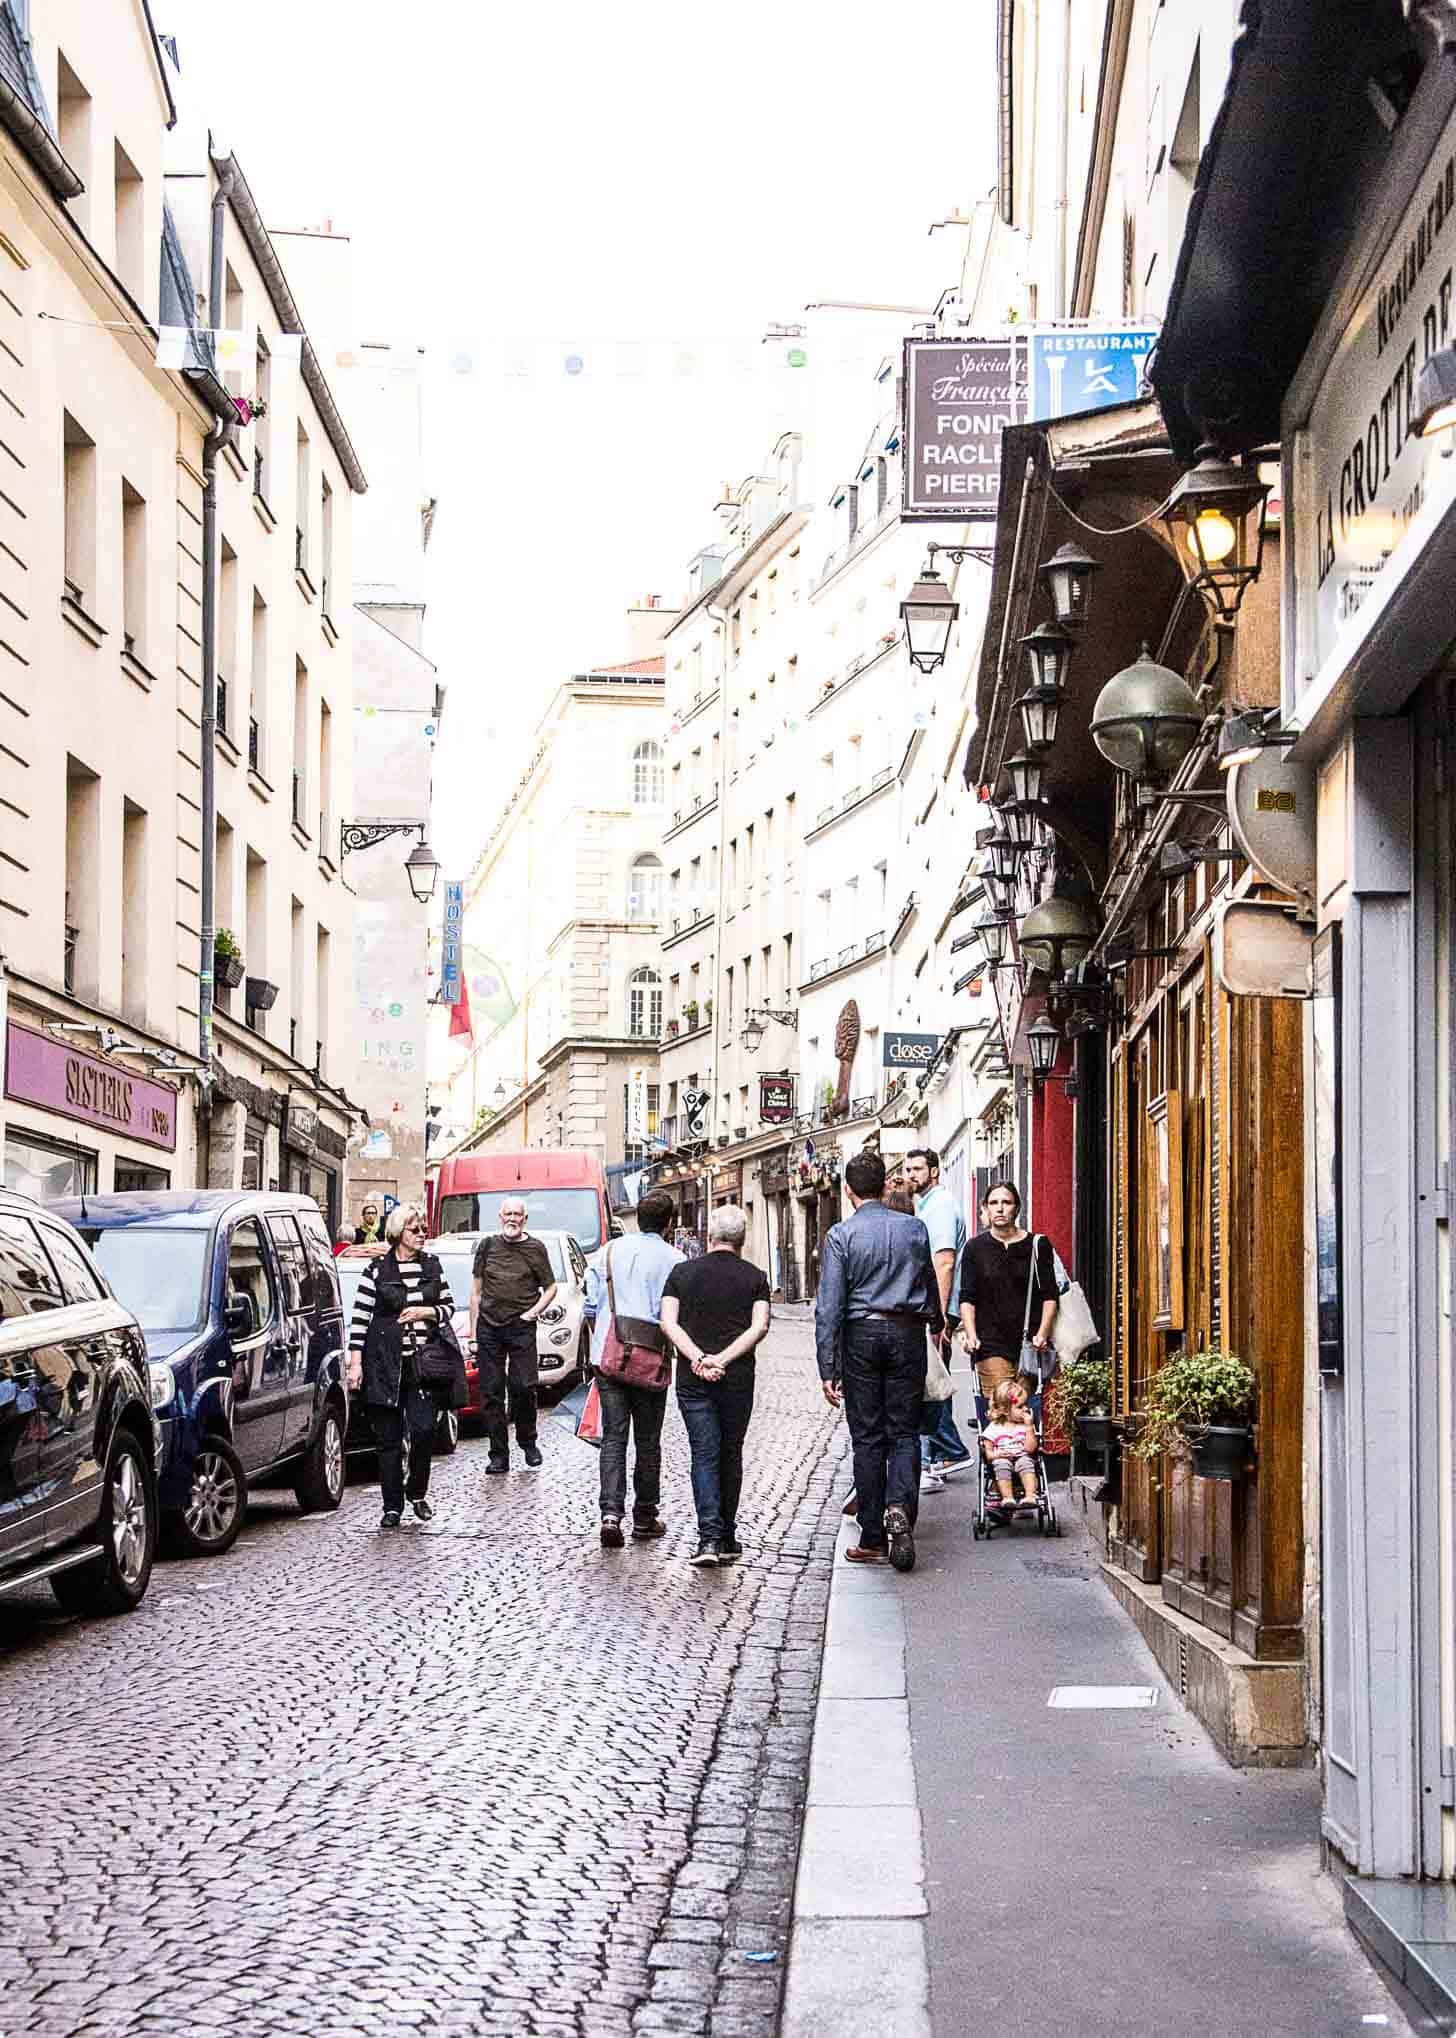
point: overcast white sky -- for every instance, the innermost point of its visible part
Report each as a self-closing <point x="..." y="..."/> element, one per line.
<point x="583" y="177"/>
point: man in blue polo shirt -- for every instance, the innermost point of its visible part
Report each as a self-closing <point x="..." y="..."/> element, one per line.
<point x="942" y="1448"/>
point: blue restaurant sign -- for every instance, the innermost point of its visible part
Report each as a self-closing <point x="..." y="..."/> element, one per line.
<point x="1086" y="368"/>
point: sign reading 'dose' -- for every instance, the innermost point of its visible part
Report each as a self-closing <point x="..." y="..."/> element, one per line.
<point x="911" y="1050"/>
<point x="960" y="395"/>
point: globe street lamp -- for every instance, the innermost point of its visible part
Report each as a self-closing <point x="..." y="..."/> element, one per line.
<point x="1146" y="720"/>
<point x="1057" y="936"/>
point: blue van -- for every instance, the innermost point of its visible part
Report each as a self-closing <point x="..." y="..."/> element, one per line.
<point x="237" y="1299"/>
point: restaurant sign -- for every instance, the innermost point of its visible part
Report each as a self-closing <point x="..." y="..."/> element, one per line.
<point x="960" y="395"/>
<point x="776" y="1099"/>
<point x="1367" y="489"/>
<point x="50" y="1073"/>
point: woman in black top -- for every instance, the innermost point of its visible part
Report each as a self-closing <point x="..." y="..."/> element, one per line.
<point x="995" y="1275"/>
<point x="403" y="1299"/>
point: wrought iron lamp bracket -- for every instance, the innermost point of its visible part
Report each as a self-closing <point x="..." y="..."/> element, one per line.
<point x="364" y="834"/>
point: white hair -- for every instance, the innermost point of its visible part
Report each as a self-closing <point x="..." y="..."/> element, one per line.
<point x="727" y="1226"/>
<point x="401" y="1215"/>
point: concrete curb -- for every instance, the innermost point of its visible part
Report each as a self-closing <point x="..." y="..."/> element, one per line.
<point x="857" y="1949"/>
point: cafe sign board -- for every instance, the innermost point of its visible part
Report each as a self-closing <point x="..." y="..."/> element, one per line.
<point x="775" y="1099"/>
<point x="960" y="395"/>
<point x="48" y="1072"/>
<point x="1367" y="490"/>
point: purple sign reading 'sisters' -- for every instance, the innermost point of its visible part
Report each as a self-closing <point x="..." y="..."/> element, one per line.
<point x="40" y="1070"/>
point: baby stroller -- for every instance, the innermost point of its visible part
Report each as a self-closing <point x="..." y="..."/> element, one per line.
<point x="991" y="1511"/>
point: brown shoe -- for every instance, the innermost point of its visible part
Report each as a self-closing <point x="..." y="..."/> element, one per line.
<point x="864" y="1553"/>
<point x="643" y="1531"/>
<point x="851" y="1506"/>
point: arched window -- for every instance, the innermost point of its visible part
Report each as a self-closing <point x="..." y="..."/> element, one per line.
<point x="648" y="783"/>
<point x="644" y="1004"/>
<point x="644" y="889"/>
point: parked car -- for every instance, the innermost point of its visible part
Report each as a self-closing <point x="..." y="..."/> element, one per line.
<point x="236" y="1297"/>
<point x="563" y="1342"/>
<point x="78" y="1443"/>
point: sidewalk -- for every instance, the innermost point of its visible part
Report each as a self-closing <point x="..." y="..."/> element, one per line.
<point x="976" y="1861"/>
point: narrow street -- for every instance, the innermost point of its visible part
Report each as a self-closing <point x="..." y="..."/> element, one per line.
<point x="479" y="1777"/>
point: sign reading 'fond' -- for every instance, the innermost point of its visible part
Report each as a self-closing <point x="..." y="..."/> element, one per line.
<point x="960" y="395"/>
<point x="57" y="1077"/>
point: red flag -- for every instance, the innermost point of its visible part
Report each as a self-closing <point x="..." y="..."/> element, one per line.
<point x="460" y="1013"/>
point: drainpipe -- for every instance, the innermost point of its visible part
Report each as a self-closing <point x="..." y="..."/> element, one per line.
<point x="1064" y="118"/>
<point x="222" y="434"/>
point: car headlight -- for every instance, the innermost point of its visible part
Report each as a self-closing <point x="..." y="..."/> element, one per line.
<point x="560" y="1337"/>
<point x="162" y="1384"/>
<point x="554" y="1314"/>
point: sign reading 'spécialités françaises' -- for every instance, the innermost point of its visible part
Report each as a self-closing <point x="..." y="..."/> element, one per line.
<point x="960" y="395"/>
<point x="1362" y="473"/>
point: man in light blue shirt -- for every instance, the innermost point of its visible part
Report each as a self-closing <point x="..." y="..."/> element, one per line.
<point x="942" y="1447"/>
<point x="641" y="1264"/>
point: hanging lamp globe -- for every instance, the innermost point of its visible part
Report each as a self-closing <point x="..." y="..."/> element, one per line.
<point x="1146" y="719"/>
<point x="1057" y="936"/>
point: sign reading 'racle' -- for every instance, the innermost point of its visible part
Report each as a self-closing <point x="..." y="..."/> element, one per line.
<point x="960" y="395"/>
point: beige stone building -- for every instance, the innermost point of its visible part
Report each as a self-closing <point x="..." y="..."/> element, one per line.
<point x="102" y="647"/>
<point x="563" y="915"/>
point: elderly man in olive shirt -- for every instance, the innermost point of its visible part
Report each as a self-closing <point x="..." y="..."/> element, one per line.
<point x="513" y="1282"/>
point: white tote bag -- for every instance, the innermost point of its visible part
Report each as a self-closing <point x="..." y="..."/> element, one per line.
<point x="938" y="1384"/>
<point x="1074" y="1329"/>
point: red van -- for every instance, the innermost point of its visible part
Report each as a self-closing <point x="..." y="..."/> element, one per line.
<point x="562" y="1191"/>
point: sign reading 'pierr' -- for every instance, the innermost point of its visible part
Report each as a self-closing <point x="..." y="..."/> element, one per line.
<point x="960" y="395"/>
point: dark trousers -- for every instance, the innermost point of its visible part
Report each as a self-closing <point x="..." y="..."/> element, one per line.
<point x="505" y="1354"/>
<point x="883" y="1375"/>
<point x="716" y="1415"/>
<point x="640" y="1411"/>
<point x="412" y="1425"/>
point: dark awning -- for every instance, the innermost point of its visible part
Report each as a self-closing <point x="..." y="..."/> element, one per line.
<point x="1314" y="91"/>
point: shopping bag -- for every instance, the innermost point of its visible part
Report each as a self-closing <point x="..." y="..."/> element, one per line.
<point x="938" y="1384"/>
<point x="580" y="1411"/>
<point x="1075" y="1329"/>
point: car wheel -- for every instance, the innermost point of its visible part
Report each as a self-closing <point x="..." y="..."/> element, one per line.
<point x="583" y="1361"/>
<point x="212" y="1520"/>
<point x="320" y="1482"/>
<point x="127" y="1525"/>
<point x="447" y="1433"/>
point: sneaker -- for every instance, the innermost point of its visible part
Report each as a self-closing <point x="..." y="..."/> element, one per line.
<point x="729" y="1551"/>
<point x="389" y="1518"/>
<point x="948" y="1467"/>
<point x="612" y="1537"/>
<point x="644" y="1531"/>
<point x="532" y="1457"/>
<point x="902" y="1538"/>
<point x="495" y="1464"/>
<point x="931" y="1482"/>
<point x="423" y="1510"/>
<point x="707" y="1556"/>
<point x="1027" y="1507"/>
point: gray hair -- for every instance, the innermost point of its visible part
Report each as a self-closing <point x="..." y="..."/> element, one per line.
<point x="728" y="1226"/>
<point x="401" y="1215"/>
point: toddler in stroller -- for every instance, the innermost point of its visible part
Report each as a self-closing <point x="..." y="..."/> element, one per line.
<point x="1011" y="1449"/>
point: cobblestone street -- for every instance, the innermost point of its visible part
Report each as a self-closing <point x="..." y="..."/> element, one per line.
<point x="481" y="1777"/>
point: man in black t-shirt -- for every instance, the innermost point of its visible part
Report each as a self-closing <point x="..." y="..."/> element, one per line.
<point x="513" y="1281"/>
<point x="715" y="1311"/>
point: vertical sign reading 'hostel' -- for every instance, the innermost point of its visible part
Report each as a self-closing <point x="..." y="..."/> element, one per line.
<point x="452" y="943"/>
<point x="960" y="395"/>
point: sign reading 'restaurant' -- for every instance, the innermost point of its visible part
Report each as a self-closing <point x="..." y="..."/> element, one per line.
<point x="960" y="395"/>
<point x="44" y="1071"/>
<point x="1364" y="479"/>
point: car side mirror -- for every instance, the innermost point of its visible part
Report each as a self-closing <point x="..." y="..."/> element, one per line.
<point x="237" y="1316"/>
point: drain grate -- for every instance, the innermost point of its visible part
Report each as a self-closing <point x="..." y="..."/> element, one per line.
<point x="1102" y="1697"/>
<point x="1182" y="1666"/>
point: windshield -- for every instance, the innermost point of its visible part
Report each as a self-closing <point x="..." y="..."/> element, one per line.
<point x="159" y="1275"/>
<point x="578" y="1211"/>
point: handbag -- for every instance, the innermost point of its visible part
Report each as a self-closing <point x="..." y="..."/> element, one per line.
<point x="938" y="1384"/>
<point x="626" y="1357"/>
<point x="1041" y="1365"/>
<point x="1075" y="1329"/>
<point x="440" y="1368"/>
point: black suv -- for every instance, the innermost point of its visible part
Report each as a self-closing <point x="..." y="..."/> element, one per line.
<point x="78" y="1454"/>
<point x="237" y="1297"/>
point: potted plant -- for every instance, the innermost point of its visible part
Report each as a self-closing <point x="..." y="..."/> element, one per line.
<point x="227" y="959"/>
<point x="690" y="1014"/>
<point x="1084" y="1398"/>
<point x="1199" y="1407"/>
<point x="707" y="1011"/>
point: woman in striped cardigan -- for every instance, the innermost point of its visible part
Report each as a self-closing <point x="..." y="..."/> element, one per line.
<point x="402" y="1299"/>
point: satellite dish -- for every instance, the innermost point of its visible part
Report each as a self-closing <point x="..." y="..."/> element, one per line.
<point x="1271" y="808"/>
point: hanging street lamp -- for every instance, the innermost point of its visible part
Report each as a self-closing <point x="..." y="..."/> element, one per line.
<point x="1057" y="936"/>
<point x="1025" y="773"/>
<point x="1024" y="823"/>
<point x="753" y="1032"/>
<point x="1217" y="516"/>
<point x="928" y="613"/>
<point x="1067" y="578"/>
<point x="1044" y="1042"/>
<point x="422" y="868"/>
<point x="1004" y="852"/>
<point x="1146" y="720"/>
<point x="993" y="931"/>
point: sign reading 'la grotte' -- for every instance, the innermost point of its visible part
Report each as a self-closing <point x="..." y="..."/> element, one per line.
<point x="960" y="395"/>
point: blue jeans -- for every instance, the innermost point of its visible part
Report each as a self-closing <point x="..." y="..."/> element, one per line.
<point x="716" y="1416"/>
<point x="941" y="1442"/>
<point x="883" y="1371"/>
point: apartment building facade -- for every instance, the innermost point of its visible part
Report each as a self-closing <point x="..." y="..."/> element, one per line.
<point x="562" y="929"/>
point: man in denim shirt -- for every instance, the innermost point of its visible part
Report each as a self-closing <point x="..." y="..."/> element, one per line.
<point x="877" y="1296"/>
<point x="640" y="1267"/>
